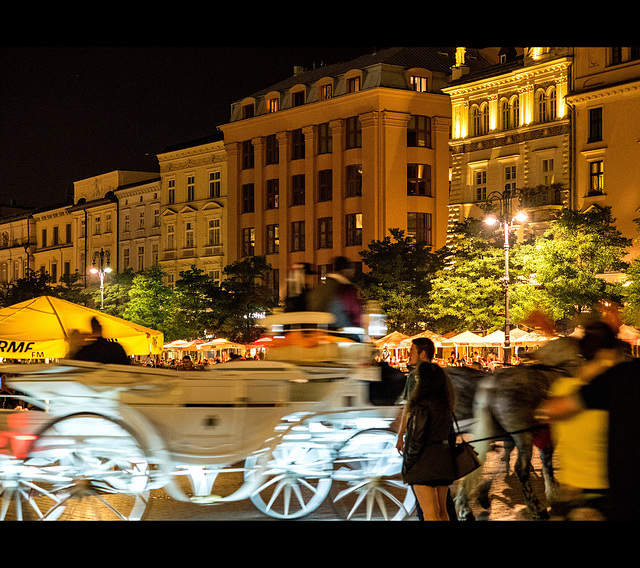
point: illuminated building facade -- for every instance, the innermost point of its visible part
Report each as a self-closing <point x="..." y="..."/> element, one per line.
<point x="54" y="252"/>
<point x="511" y="129"/>
<point x="193" y="210"/>
<point x="331" y="158"/>
<point x="139" y="225"/>
<point x="17" y="243"/>
<point x="606" y="103"/>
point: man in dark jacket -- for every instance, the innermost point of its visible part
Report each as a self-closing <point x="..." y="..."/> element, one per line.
<point x="101" y="350"/>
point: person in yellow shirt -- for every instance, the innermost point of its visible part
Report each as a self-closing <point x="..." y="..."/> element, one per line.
<point x="581" y="441"/>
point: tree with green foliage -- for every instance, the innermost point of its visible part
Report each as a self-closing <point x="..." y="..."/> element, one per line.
<point x="151" y="302"/>
<point x="34" y="284"/>
<point x="116" y="292"/>
<point x="399" y="279"/>
<point x="565" y="262"/>
<point x="243" y="297"/>
<point x="468" y="291"/>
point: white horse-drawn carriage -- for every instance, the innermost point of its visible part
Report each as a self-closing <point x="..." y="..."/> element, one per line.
<point x="299" y="426"/>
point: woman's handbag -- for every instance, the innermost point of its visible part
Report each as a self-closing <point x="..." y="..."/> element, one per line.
<point x="465" y="458"/>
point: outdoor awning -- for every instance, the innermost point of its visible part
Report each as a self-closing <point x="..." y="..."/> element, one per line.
<point x="437" y="339"/>
<point x="464" y="338"/>
<point x="42" y="328"/>
<point x="392" y="340"/>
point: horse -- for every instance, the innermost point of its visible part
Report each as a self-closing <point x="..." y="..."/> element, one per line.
<point x="504" y="403"/>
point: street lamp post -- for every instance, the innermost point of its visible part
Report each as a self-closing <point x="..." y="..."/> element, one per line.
<point x="500" y="203"/>
<point x="103" y="268"/>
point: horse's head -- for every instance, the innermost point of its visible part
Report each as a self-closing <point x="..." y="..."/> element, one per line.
<point x="561" y="353"/>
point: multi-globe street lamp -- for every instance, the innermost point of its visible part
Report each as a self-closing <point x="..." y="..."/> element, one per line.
<point x="499" y="210"/>
<point x="102" y="268"/>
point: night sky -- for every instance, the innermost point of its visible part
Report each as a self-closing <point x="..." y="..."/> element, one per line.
<point x="71" y="113"/>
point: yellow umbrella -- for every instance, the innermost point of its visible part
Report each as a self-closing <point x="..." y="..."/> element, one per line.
<point x="42" y="328"/>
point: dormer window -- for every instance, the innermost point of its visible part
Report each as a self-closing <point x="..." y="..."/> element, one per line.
<point x="419" y="84"/>
<point x="326" y="92"/>
<point x="297" y="98"/>
<point x="248" y="110"/>
<point x="353" y="85"/>
<point x="273" y="105"/>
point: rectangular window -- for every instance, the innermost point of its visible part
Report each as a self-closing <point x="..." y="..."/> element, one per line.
<point x="214" y="184"/>
<point x="43" y="243"/>
<point x="214" y="232"/>
<point x="326" y="92"/>
<point x="56" y="236"/>
<point x="96" y="226"/>
<point x="595" y="125"/>
<point x="191" y="188"/>
<point x="353" y="133"/>
<point x="188" y="235"/>
<point x="354" y="229"/>
<point x="596" y="177"/>
<point x="140" y="219"/>
<point x="297" y="236"/>
<point x="140" y="259"/>
<point x="68" y="232"/>
<point x="172" y="191"/>
<point x="125" y="259"/>
<point x="354" y="181"/>
<point x="248" y="241"/>
<point x="510" y="178"/>
<point x="273" y="239"/>
<point x="272" y="154"/>
<point x="171" y="241"/>
<point x="273" y="105"/>
<point x="419" y="179"/>
<point x="325" y="185"/>
<point x="297" y="190"/>
<point x="353" y="85"/>
<point x="247" y="198"/>
<point x="154" y="254"/>
<point x="419" y="227"/>
<point x="297" y="145"/>
<point x="107" y="222"/>
<point x="325" y="232"/>
<point x="419" y="132"/>
<point x="127" y="222"/>
<point x="247" y="158"/>
<point x="297" y="98"/>
<point x="273" y="193"/>
<point x="480" y="184"/>
<point x="419" y="84"/>
<point x="547" y="172"/>
<point x="325" y="139"/>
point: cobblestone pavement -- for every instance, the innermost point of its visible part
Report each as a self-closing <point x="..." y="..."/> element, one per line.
<point x="507" y="503"/>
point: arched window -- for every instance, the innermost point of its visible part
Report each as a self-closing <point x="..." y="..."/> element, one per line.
<point x="552" y="106"/>
<point x="505" y="114"/>
<point x="541" y="105"/>
<point x="484" y="111"/>
<point x="475" y="120"/>
<point x="480" y="119"/>
<point x="515" y="111"/>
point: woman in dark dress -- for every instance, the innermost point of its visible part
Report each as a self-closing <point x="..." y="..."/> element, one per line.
<point x="428" y="463"/>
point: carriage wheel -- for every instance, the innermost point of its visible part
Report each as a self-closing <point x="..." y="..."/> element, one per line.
<point x="293" y="482"/>
<point x="83" y="466"/>
<point x="368" y="474"/>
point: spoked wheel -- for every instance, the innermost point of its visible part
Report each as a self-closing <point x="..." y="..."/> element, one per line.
<point x="293" y="482"/>
<point x="368" y="475"/>
<point x="81" y="467"/>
